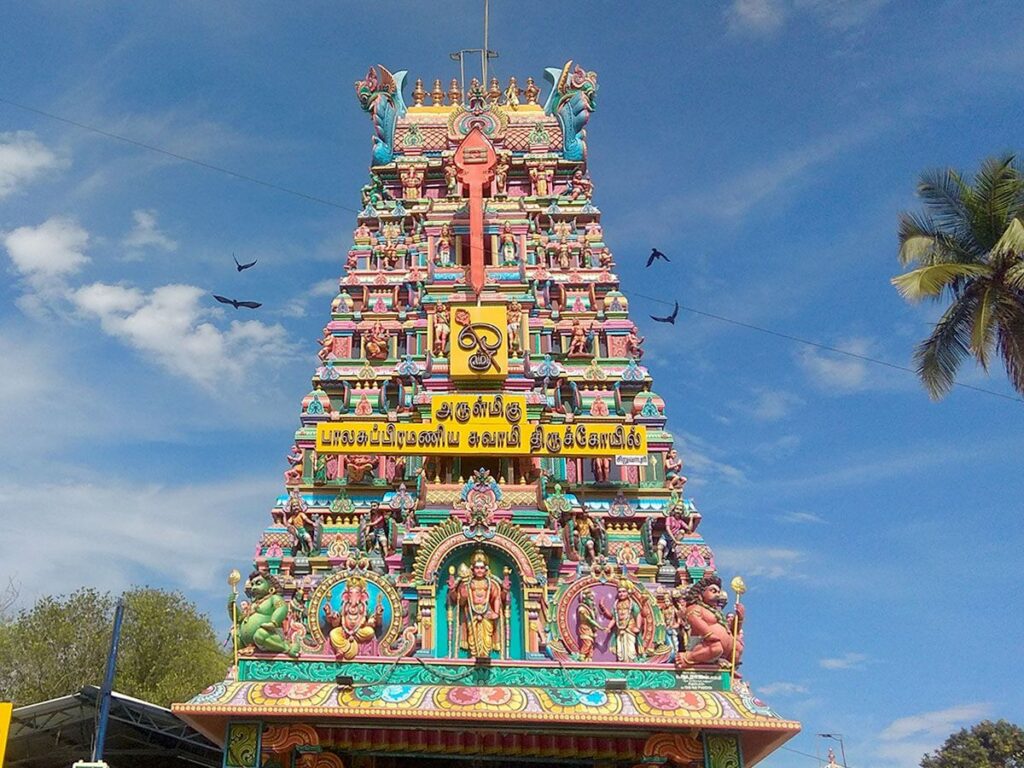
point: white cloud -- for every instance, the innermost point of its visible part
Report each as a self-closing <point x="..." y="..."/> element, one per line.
<point x="782" y="689"/>
<point x="772" y="405"/>
<point x="755" y="16"/>
<point x="702" y="466"/>
<point x="54" y="249"/>
<point x="838" y="372"/>
<point x="905" y="740"/>
<point x="122" y="533"/>
<point x="760" y="562"/>
<point x="327" y="287"/>
<point x="146" y="234"/>
<point x="846" y="661"/>
<point x="799" y="518"/>
<point x="840" y="15"/>
<point x="170" y="326"/>
<point x="22" y="159"/>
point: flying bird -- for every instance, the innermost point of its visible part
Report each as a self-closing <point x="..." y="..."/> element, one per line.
<point x="656" y="254"/>
<point x="244" y="266"/>
<point x="236" y="304"/>
<point x="670" y="318"/>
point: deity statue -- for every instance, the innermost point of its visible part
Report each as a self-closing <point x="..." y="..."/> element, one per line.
<point x="481" y="606"/>
<point x="260" y="624"/>
<point x="670" y="614"/>
<point x="542" y="176"/>
<point x="579" y="340"/>
<point x="572" y="99"/>
<point x="451" y="179"/>
<point x="373" y="192"/>
<point x="360" y="467"/>
<point x="580" y="187"/>
<point x="626" y="625"/>
<point x="442" y="330"/>
<point x="444" y="246"/>
<point x="293" y="475"/>
<point x="721" y="636"/>
<point x="501" y="174"/>
<point x="326" y="343"/>
<point x="300" y="525"/>
<point x="319" y="466"/>
<point x="355" y="624"/>
<point x="601" y="466"/>
<point x="377" y="530"/>
<point x="681" y="519"/>
<point x="515" y="320"/>
<point x="587" y="624"/>
<point x="634" y="344"/>
<point x="352" y="261"/>
<point x="512" y="94"/>
<point x="673" y="466"/>
<point x="586" y="535"/>
<point x="377" y="342"/>
<point x="508" y="246"/>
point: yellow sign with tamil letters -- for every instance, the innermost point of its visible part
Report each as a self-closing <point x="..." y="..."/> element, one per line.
<point x="479" y="349"/>
<point x="478" y="409"/>
<point x="495" y="438"/>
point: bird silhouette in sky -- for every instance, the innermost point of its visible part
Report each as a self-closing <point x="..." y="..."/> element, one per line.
<point x="655" y="255"/>
<point x="244" y="266"/>
<point x="668" y="319"/>
<point x="236" y="304"/>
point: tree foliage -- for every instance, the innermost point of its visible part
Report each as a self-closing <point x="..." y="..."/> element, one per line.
<point x="168" y="651"/>
<point x="967" y="248"/>
<point x="987" y="745"/>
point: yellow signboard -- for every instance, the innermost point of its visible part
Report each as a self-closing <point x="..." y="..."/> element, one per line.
<point x="478" y="409"/>
<point x="479" y="349"/>
<point x="496" y="439"/>
<point x="6" y="708"/>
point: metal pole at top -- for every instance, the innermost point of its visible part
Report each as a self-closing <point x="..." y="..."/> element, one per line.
<point x="108" y="683"/>
<point x="485" y="55"/>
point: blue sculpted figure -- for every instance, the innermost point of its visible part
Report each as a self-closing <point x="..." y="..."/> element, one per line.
<point x="573" y="97"/>
<point x="381" y="96"/>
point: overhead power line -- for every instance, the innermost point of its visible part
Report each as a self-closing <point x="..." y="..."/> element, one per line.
<point x="339" y="206"/>
<point x="178" y="156"/>
<point x="817" y="345"/>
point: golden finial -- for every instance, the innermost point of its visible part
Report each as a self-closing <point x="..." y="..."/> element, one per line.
<point x="418" y="93"/>
<point x="531" y="91"/>
<point x="738" y="585"/>
<point x="454" y="92"/>
<point x="437" y="94"/>
<point x="233" y="578"/>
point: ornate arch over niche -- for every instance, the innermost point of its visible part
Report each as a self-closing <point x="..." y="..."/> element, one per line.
<point x="445" y="538"/>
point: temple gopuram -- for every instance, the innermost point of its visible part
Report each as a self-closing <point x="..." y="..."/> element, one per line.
<point x="484" y="552"/>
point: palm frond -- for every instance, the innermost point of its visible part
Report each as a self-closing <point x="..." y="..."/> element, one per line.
<point x="998" y="186"/>
<point x="931" y="281"/>
<point x="1015" y="277"/>
<point x="983" y="324"/>
<point x="922" y="242"/>
<point x="1011" y="243"/>
<point x="946" y="198"/>
<point x="939" y="356"/>
<point x="1010" y="338"/>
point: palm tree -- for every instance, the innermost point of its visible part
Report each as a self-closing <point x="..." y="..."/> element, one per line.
<point x="967" y="246"/>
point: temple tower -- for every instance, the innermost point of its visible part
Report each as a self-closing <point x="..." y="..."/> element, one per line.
<point x="484" y="549"/>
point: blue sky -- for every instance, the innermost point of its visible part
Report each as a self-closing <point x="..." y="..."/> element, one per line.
<point x="767" y="146"/>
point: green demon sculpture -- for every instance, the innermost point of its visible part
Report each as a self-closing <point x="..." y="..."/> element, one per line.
<point x="260" y="623"/>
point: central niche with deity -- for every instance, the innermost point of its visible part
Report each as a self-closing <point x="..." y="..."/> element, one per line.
<point x="482" y="606"/>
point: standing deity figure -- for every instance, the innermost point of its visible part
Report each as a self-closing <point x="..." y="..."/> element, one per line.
<point x="680" y="520"/>
<point x="578" y="341"/>
<point x="508" y="244"/>
<point x="580" y="187"/>
<point x="586" y="535"/>
<point x="512" y="94"/>
<point x="721" y="636"/>
<point x="587" y="624"/>
<point x="293" y="475"/>
<point x="480" y="601"/>
<point x="515" y="320"/>
<point x="542" y="177"/>
<point x="501" y="174"/>
<point x="451" y="180"/>
<point x="377" y="342"/>
<point x="601" y="467"/>
<point x="355" y="624"/>
<point x="444" y="246"/>
<point x="670" y="614"/>
<point x="626" y="623"/>
<point x="442" y="329"/>
<point x="634" y="344"/>
<point x="673" y="467"/>
<point x="326" y="345"/>
<point x="299" y="523"/>
<point x="377" y="529"/>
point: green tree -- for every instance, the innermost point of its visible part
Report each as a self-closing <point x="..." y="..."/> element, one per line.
<point x="967" y="248"/>
<point x="168" y="651"/>
<point x="986" y="745"/>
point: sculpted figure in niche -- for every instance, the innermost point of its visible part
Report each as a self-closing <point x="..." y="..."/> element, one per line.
<point x="377" y="342"/>
<point x="501" y="174"/>
<point x="673" y="469"/>
<point x="259" y="624"/>
<point x="625" y="624"/>
<point x="442" y="329"/>
<point x="444" y="247"/>
<point x="587" y="624"/>
<point x="718" y="633"/>
<point x="515" y="319"/>
<point x="508" y="245"/>
<point x="480" y="601"/>
<point x="355" y="624"/>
